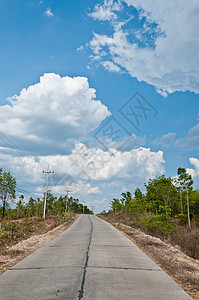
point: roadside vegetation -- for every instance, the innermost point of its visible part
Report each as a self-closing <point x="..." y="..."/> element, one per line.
<point x="169" y="210"/>
<point x="26" y="218"/>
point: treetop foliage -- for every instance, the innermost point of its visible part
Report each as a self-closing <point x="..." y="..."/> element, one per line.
<point x="163" y="197"/>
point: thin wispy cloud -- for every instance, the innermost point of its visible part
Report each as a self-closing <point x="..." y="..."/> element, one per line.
<point x="165" y="140"/>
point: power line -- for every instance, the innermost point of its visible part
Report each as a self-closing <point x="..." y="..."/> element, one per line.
<point x="26" y="150"/>
<point x="13" y="145"/>
<point x="26" y="192"/>
<point x="7" y="141"/>
<point x="2" y="150"/>
<point x="10" y="146"/>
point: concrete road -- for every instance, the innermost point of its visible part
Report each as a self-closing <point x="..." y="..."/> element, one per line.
<point x="90" y="260"/>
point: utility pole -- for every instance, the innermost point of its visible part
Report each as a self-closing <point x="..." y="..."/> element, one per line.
<point x="47" y="173"/>
<point x="67" y="191"/>
<point x="92" y="208"/>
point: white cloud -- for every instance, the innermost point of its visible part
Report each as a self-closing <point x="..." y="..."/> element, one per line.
<point x="82" y="188"/>
<point x="101" y="201"/>
<point x="105" y="12"/>
<point x="113" y="184"/>
<point x="87" y="172"/>
<point x="95" y="164"/>
<point x="163" y="93"/>
<point x="195" y="171"/>
<point x="111" y="67"/>
<point x="76" y="188"/>
<point x="191" y="140"/>
<point x="52" y="115"/>
<point x="81" y="48"/>
<point x="100" y="205"/>
<point x="88" y="164"/>
<point x="22" y="167"/>
<point x="48" y="12"/>
<point x="163" y="52"/>
<point x="124" y="144"/>
<point x="165" y="140"/>
<point x="94" y="190"/>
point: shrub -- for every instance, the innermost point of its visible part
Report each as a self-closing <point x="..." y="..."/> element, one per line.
<point x="159" y="225"/>
<point x="8" y="226"/>
<point x="182" y="219"/>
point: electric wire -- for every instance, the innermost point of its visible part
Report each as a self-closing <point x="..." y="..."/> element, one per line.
<point x="13" y="145"/>
<point x="26" y="192"/>
<point x="22" y="152"/>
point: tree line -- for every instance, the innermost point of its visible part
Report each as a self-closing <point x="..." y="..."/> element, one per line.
<point x="34" y="207"/>
<point x="165" y="196"/>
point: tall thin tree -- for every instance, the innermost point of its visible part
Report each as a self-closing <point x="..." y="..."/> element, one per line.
<point x="7" y="188"/>
<point x="186" y="182"/>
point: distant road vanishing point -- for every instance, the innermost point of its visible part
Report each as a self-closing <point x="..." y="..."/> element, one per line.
<point x="90" y="260"/>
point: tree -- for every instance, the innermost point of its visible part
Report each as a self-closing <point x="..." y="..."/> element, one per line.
<point x="186" y="183"/>
<point x="39" y="208"/>
<point x="50" y="201"/>
<point x="126" y="199"/>
<point x="115" y="204"/>
<point x="7" y="188"/>
<point x="20" y="206"/>
<point x="31" y="207"/>
<point x="74" y="205"/>
<point x="160" y="191"/>
<point x="194" y="202"/>
<point x="138" y="204"/>
<point x="179" y="189"/>
<point x="138" y="194"/>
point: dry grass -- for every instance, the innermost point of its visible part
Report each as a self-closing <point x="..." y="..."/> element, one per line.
<point x="188" y="240"/>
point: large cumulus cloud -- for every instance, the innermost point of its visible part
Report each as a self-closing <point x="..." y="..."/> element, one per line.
<point x="52" y="115"/>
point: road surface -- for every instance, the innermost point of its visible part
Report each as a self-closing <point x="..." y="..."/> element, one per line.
<point x="90" y="260"/>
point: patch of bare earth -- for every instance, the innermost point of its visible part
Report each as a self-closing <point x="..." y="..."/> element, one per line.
<point x="10" y="255"/>
<point x="183" y="269"/>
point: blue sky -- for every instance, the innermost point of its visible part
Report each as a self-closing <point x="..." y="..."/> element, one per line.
<point x="67" y="70"/>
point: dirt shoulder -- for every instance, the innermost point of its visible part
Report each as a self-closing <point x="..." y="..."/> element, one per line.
<point x="10" y="255"/>
<point x="183" y="269"/>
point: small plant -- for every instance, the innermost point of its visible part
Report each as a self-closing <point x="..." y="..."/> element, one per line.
<point x="7" y="227"/>
<point x="182" y="219"/>
<point x="28" y="225"/>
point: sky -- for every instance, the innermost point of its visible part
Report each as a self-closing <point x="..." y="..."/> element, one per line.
<point x="103" y="93"/>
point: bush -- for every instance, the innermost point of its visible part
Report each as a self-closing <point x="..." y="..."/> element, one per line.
<point x="182" y="219"/>
<point x="4" y="235"/>
<point x="8" y="226"/>
<point x="28" y="225"/>
<point x="158" y="225"/>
